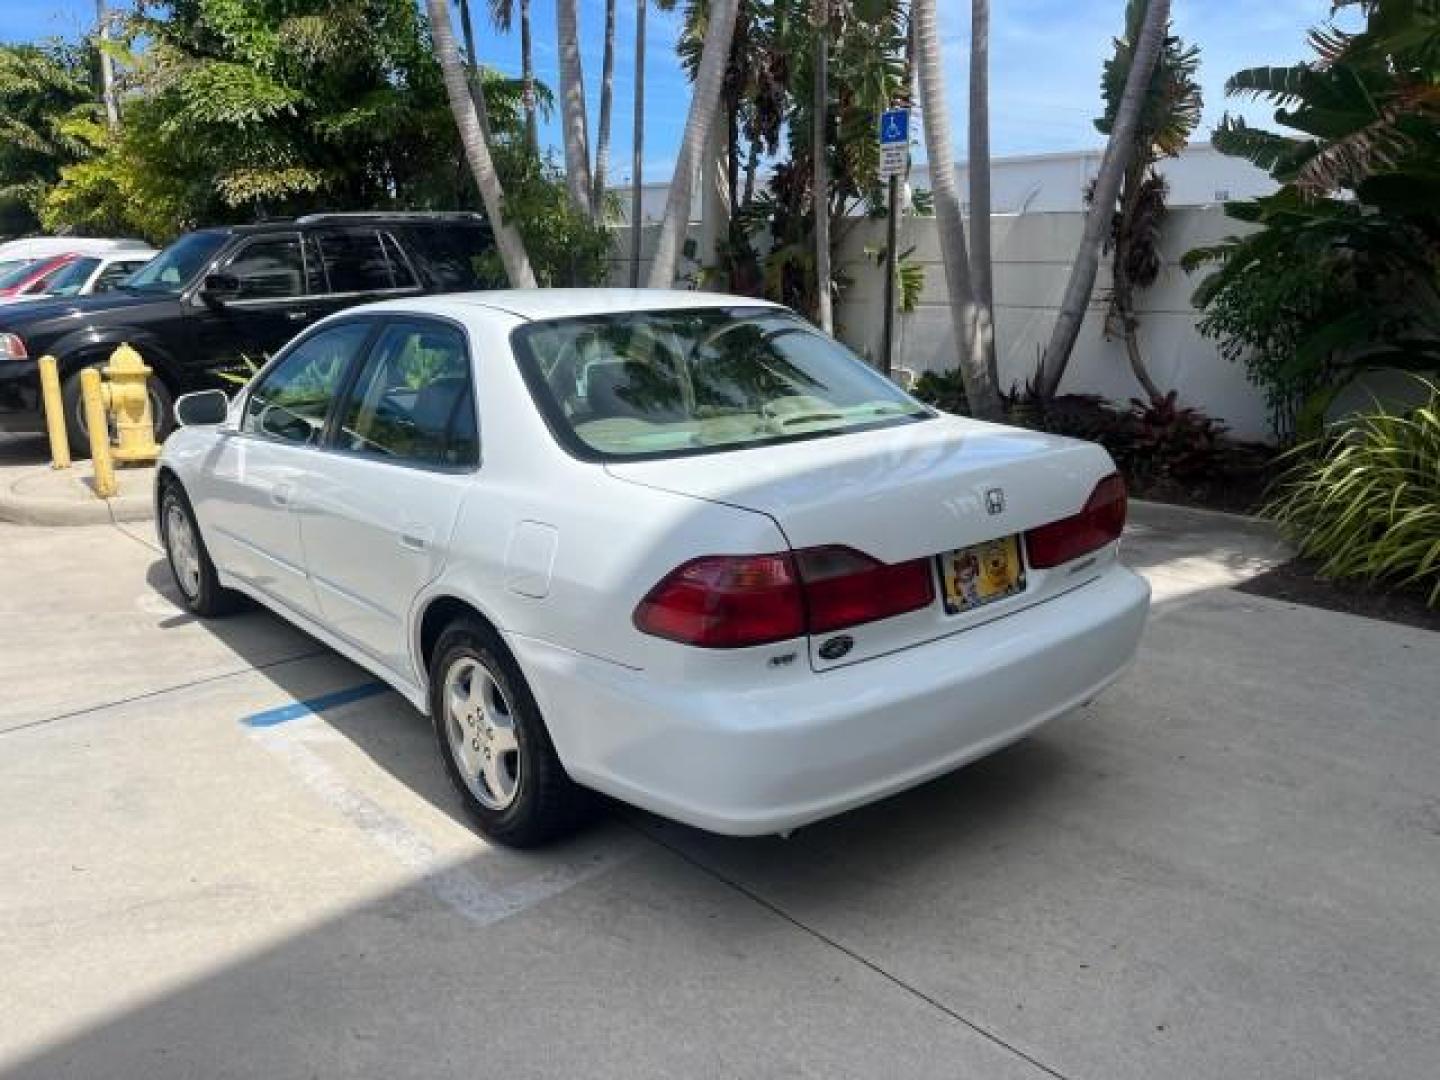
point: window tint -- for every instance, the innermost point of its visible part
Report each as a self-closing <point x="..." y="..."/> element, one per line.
<point x="413" y="400"/>
<point x="355" y="262"/>
<point x="268" y="269"/>
<point x="454" y="258"/>
<point x="399" y="268"/>
<point x="292" y="399"/>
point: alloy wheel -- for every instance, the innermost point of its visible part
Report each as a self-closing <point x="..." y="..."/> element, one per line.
<point x="480" y="726"/>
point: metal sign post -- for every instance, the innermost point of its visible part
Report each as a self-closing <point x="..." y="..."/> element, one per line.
<point x="894" y="160"/>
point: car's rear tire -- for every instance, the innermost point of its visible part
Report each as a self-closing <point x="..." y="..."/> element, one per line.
<point x="162" y="412"/>
<point x="190" y="565"/>
<point x="493" y="741"/>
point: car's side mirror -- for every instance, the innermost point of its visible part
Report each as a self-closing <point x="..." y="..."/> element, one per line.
<point x="204" y="408"/>
<point x="219" y="288"/>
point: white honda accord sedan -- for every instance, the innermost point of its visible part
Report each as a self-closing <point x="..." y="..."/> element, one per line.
<point x="675" y="547"/>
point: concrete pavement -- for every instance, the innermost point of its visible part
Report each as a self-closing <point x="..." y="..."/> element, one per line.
<point x="1227" y="866"/>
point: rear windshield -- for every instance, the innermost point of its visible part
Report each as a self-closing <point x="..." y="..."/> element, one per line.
<point x="665" y="383"/>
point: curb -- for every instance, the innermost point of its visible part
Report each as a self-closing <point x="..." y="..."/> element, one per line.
<point x="22" y="508"/>
<point x="1203" y="511"/>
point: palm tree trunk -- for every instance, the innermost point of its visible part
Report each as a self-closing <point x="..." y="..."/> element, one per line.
<point x="1122" y="289"/>
<point x="527" y="76"/>
<point x="981" y="258"/>
<point x="704" y="106"/>
<point x="572" y="106"/>
<point x="477" y="151"/>
<point x="474" y="79"/>
<point x="820" y="183"/>
<point x="607" y="91"/>
<point x="637" y="150"/>
<point x="1102" y="204"/>
<point x="108" y="96"/>
<point x="752" y="167"/>
<point x="980" y="388"/>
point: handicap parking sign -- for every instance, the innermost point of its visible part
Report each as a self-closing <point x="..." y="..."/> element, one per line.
<point x="895" y="127"/>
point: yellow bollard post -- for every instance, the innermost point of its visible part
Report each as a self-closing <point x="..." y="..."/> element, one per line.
<point x="99" y="433"/>
<point x="54" y="413"/>
<point x="129" y="403"/>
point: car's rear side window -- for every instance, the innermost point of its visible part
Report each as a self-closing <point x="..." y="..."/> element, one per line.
<point x="355" y="262"/>
<point x="454" y="258"/>
<point x="413" y="401"/>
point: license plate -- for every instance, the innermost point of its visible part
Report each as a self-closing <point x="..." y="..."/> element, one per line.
<point x="981" y="574"/>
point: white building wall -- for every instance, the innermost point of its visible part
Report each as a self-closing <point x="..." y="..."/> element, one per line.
<point x="1033" y="254"/>
<point x="1048" y="183"/>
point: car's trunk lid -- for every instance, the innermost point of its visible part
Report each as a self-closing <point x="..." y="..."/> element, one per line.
<point x="902" y="492"/>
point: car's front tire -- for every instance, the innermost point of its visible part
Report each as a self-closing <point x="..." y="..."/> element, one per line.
<point x="190" y="565"/>
<point x="493" y="740"/>
<point x="162" y="412"/>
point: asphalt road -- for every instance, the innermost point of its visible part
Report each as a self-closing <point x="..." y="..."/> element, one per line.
<point x="1228" y="866"/>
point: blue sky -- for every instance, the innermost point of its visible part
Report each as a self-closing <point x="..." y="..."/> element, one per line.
<point x="1045" y="58"/>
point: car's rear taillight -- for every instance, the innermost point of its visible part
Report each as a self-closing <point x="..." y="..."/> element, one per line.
<point x="12" y="347"/>
<point x="726" y="601"/>
<point x="844" y="587"/>
<point x="1099" y="523"/>
<point x="732" y="601"/>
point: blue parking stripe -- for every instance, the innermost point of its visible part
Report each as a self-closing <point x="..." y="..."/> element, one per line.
<point x="312" y="706"/>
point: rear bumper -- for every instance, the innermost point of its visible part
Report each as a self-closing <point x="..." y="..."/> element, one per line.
<point x="772" y="758"/>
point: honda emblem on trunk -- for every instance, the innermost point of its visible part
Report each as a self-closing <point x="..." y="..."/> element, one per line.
<point x="995" y="500"/>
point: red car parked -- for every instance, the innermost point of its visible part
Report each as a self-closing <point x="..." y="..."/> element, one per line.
<point x="31" y="276"/>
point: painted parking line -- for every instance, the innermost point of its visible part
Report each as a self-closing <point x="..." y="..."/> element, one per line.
<point x="313" y="706"/>
<point x="291" y="734"/>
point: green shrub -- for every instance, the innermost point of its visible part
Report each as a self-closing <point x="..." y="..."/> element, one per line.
<point x="1168" y="441"/>
<point x="943" y="389"/>
<point x="1364" y="501"/>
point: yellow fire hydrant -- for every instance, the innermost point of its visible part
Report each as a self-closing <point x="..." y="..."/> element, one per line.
<point x="128" y="400"/>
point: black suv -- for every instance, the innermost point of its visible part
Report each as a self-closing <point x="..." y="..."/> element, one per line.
<point x="224" y="299"/>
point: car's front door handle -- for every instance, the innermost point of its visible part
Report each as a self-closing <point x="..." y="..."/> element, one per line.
<point x="280" y="494"/>
<point x="297" y="316"/>
<point x="416" y="537"/>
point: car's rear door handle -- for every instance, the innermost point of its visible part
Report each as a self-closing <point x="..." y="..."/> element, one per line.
<point x="280" y="494"/>
<point x="297" y="316"/>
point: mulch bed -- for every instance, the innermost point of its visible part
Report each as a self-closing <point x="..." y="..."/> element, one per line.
<point x="1241" y="489"/>
<point x="1298" y="583"/>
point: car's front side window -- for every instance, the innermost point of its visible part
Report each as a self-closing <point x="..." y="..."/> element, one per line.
<point x="413" y="401"/>
<point x="292" y="399"/>
<point x="272" y="268"/>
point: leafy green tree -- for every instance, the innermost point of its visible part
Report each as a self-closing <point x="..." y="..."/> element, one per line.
<point x="45" y="91"/>
<point x="238" y="109"/>
<point x="769" y="91"/>
<point x="1342" y="272"/>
